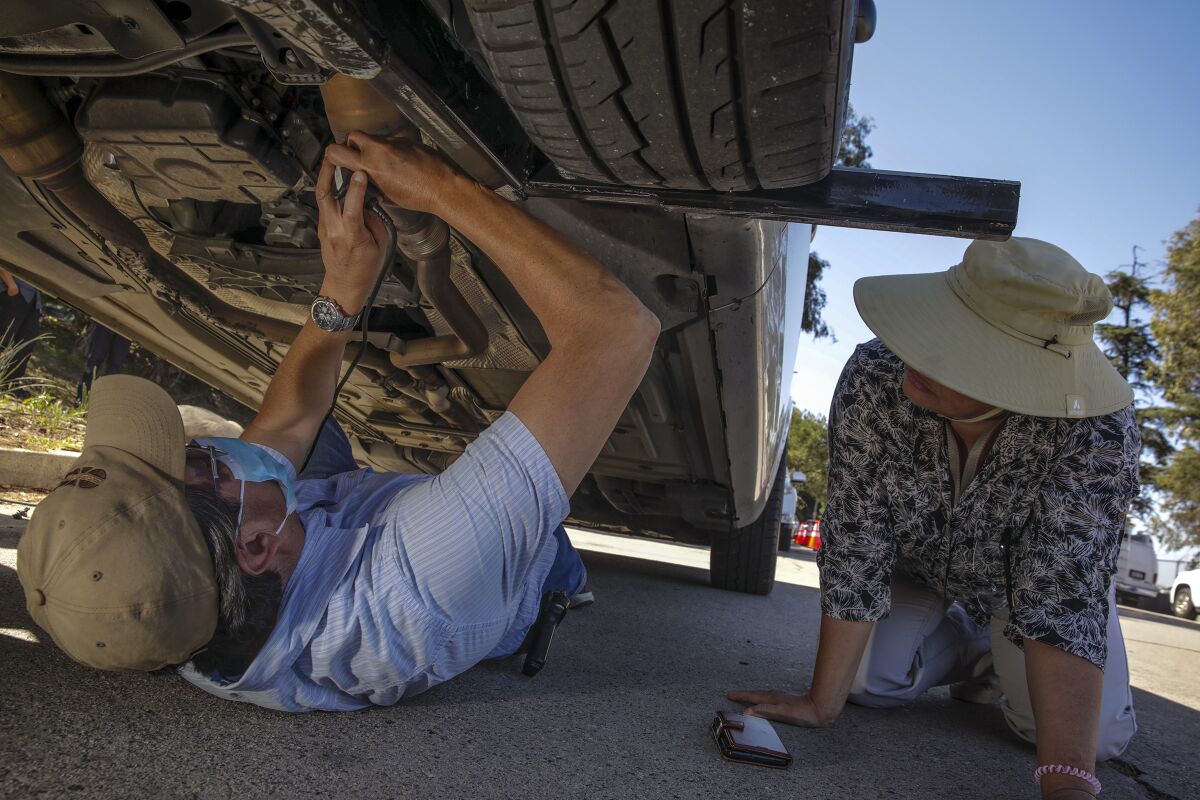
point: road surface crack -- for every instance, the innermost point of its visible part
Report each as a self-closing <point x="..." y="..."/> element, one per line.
<point x="1125" y="768"/>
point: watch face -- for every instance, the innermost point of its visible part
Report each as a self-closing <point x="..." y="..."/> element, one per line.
<point x="327" y="315"/>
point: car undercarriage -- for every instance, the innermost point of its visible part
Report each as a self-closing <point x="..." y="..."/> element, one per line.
<point x="160" y="161"/>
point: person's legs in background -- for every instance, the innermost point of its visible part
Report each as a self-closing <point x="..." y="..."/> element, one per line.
<point x="19" y="324"/>
<point x="12" y="309"/>
<point x="924" y="642"/>
<point x="106" y="350"/>
<point x="1118" y="722"/>
<point x="99" y="339"/>
<point x="118" y="351"/>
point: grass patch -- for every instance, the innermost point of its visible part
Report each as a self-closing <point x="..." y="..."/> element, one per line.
<point x="48" y="418"/>
<point x="41" y="422"/>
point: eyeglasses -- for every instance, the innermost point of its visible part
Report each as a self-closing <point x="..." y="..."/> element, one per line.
<point x="214" y="456"/>
<point x="211" y="453"/>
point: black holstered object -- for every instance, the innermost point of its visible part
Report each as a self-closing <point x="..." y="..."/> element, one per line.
<point x="541" y="635"/>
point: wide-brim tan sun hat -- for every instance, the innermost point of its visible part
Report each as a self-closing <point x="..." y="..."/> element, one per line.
<point x="1011" y="326"/>
<point x="113" y="563"/>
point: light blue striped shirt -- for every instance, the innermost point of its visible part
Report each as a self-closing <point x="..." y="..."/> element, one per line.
<point x="405" y="581"/>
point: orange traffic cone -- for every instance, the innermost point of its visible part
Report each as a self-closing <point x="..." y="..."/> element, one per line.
<point x="801" y="537"/>
<point x="815" y="537"/>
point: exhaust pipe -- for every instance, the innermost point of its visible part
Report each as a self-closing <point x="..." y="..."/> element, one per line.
<point x="35" y="141"/>
<point x="352" y="104"/>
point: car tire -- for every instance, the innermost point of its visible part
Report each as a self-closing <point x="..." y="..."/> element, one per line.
<point x="1127" y="599"/>
<point x="743" y="559"/>
<point x="731" y="95"/>
<point x="1182" y="605"/>
<point x="785" y="539"/>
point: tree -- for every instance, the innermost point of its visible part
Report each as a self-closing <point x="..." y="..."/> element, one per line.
<point x="808" y="451"/>
<point x="1176" y="326"/>
<point x="1129" y="344"/>
<point x="814" y="299"/>
<point x="853" y="152"/>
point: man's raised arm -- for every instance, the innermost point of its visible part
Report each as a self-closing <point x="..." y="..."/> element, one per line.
<point x="298" y="398"/>
<point x="601" y="336"/>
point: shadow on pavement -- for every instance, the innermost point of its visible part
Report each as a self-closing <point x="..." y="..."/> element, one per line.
<point x="1162" y="756"/>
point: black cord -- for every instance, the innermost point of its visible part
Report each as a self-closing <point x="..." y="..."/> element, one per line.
<point x="389" y="257"/>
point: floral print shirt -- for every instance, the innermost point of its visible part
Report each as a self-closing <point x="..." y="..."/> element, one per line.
<point x="1035" y="534"/>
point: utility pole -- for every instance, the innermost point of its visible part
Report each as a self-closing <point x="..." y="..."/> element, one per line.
<point x="1129" y="344"/>
<point x="1125" y="303"/>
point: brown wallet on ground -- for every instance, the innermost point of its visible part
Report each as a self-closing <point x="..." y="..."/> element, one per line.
<point x="750" y="740"/>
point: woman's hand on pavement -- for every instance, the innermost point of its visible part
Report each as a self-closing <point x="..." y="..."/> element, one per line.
<point x="794" y="709"/>
<point x="410" y="175"/>
<point x="353" y="241"/>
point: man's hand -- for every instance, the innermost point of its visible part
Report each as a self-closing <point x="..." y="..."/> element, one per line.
<point x="10" y="283"/>
<point x="352" y="246"/>
<point x="352" y="241"/>
<point x="409" y="175"/>
<point x="794" y="709"/>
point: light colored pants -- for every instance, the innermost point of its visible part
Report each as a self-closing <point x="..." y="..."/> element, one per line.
<point x="927" y="642"/>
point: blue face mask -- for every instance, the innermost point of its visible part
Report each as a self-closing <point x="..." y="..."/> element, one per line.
<point x="253" y="463"/>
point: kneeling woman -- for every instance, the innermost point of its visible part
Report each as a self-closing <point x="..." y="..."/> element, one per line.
<point x="983" y="457"/>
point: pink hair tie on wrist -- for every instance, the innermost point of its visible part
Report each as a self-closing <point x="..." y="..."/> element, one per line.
<point x="1063" y="769"/>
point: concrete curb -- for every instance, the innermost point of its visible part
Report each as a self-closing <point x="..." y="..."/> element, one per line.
<point x="29" y="469"/>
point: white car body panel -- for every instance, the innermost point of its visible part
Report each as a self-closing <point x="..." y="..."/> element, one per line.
<point x="1189" y="579"/>
<point x="1137" y="566"/>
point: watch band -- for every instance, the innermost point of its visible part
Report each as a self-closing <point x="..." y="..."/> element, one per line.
<point x="330" y="317"/>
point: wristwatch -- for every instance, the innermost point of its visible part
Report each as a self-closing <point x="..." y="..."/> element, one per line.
<point x="330" y="317"/>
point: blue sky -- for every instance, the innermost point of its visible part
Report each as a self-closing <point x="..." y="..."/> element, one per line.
<point x="1094" y="107"/>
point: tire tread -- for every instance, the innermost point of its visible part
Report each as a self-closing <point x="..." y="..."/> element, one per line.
<point x="744" y="559"/>
<point x="730" y="95"/>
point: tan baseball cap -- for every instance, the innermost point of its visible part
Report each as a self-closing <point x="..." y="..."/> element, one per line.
<point x="1011" y="326"/>
<point x="113" y="563"/>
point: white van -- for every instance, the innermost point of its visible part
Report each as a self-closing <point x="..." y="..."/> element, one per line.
<point x="1137" y="569"/>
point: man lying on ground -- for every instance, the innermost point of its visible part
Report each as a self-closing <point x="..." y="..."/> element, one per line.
<point x="349" y="588"/>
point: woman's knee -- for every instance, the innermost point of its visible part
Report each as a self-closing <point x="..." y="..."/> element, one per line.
<point x="882" y="682"/>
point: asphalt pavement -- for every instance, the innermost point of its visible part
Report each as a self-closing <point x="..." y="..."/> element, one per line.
<point x="621" y="711"/>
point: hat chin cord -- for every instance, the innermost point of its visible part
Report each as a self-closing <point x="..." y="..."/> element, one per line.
<point x="995" y="412"/>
